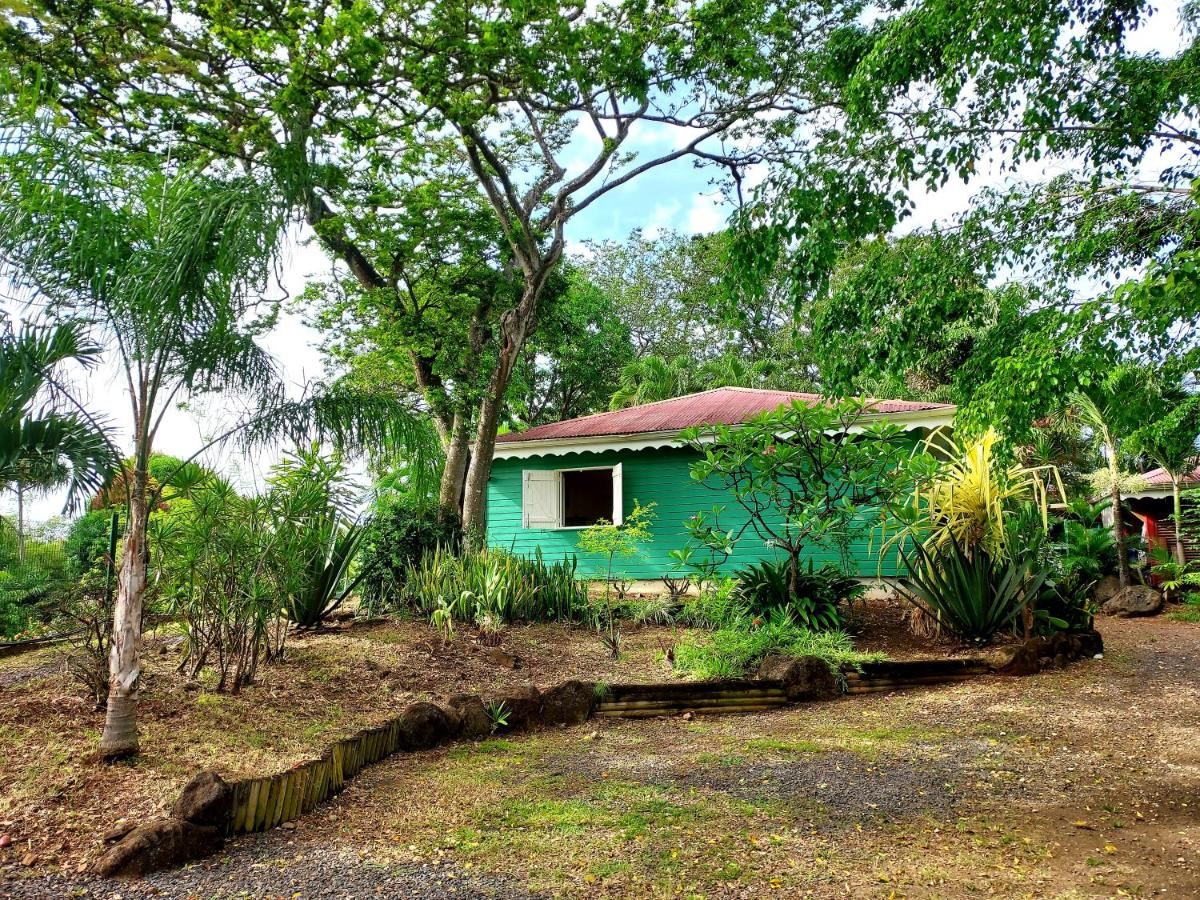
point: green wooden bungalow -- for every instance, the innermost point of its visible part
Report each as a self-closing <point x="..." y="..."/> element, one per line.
<point x="553" y="480"/>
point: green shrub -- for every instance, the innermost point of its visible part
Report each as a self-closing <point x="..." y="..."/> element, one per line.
<point x="718" y="604"/>
<point x="1188" y="610"/>
<point x="502" y="586"/>
<point x="735" y="650"/>
<point x="86" y="546"/>
<point x="32" y="588"/>
<point x="1089" y="551"/>
<point x="398" y="537"/>
<point x="975" y="597"/>
<point x="816" y="601"/>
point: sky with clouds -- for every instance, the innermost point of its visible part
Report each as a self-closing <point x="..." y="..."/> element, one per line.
<point x="676" y="196"/>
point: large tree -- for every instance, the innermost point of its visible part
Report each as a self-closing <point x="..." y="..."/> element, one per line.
<point x="540" y="103"/>
<point x="939" y="90"/>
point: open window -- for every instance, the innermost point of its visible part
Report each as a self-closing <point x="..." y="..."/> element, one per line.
<point x="572" y="498"/>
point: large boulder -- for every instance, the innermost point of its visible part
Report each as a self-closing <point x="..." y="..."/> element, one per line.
<point x="523" y="707"/>
<point x="1135" y="600"/>
<point x="803" y="678"/>
<point x="569" y="703"/>
<point x="473" y="719"/>
<point x="426" y="725"/>
<point x="206" y="800"/>
<point x="159" y="845"/>
<point x="1106" y="588"/>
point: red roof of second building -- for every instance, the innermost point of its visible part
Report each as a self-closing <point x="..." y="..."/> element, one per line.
<point x="1160" y="478"/>
<point x="720" y="406"/>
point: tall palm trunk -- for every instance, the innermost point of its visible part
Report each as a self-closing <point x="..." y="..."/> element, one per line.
<point x="120" y="736"/>
<point x="1177" y="502"/>
<point x="1118" y="526"/>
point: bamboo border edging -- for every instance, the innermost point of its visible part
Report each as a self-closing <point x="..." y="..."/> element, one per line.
<point x="265" y="802"/>
<point x="268" y="801"/>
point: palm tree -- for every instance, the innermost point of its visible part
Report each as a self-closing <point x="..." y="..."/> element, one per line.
<point x="1112" y="410"/>
<point x="44" y="438"/>
<point x="169" y="268"/>
<point x="1171" y="441"/>
<point x="651" y="378"/>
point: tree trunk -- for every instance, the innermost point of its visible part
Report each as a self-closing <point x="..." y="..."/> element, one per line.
<point x="1119" y="535"/>
<point x="454" y="475"/>
<point x="514" y="326"/>
<point x="480" y="469"/>
<point x="20" y="522"/>
<point x="120" y="736"/>
<point x="1180" y="552"/>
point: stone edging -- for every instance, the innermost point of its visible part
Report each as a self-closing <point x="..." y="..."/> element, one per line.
<point x="210" y="809"/>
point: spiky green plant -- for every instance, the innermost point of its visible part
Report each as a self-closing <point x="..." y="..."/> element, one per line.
<point x="974" y="596"/>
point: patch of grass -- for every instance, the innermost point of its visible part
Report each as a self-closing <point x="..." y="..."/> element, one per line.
<point x="735" y="650"/>
<point x="1188" y="611"/>
<point x="608" y="868"/>
<point x="772" y="745"/>
<point x="492" y="746"/>
<point x="721" y="759"/>
<point x="325" y="674"/>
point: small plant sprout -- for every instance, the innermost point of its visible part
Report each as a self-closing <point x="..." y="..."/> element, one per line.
<point x="498" y="713"/>
<point x="442" y="618"/>
<point x="607" y="540"/>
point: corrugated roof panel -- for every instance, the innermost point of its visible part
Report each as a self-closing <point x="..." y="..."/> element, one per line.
<point x="720" y="406"/>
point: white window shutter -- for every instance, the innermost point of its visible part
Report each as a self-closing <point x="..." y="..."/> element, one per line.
<point x="539" y="499"/>
<point x="618" y="515"/>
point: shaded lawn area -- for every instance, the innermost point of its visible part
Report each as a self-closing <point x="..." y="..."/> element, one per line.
<point x="1078" y="783"/>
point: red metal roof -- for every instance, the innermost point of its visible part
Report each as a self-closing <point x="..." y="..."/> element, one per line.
<point x="720" y="406"/>
<point x="1160" y="478"/>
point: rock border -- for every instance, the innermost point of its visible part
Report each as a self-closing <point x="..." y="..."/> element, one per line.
<point x="209" y="809"/>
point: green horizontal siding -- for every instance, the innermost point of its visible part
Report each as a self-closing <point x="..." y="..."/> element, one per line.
<point x="661" y="477"/>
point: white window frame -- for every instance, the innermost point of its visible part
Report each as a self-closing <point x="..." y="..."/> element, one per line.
<point x="618" y="497"/>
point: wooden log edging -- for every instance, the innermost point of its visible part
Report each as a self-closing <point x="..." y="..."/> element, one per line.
<point x="265" y="802"/>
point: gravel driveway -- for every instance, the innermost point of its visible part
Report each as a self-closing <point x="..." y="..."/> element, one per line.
<point x="274" y="865"/>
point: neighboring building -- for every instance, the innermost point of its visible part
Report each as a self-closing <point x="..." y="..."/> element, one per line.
<point x="1153" y="506"/>
<point x="552" y="480"/>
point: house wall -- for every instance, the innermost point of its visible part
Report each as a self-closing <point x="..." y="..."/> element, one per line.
<point x="650" y="476"/>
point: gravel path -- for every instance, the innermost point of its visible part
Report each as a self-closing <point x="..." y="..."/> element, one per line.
<point x="271" y="865"/>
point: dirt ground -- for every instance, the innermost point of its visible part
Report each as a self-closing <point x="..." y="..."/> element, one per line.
<point x="56" y="798"/>
<point x="1083" y="782"/>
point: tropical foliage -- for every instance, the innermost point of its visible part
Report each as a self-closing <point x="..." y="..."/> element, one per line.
<point x="397" y="538"/>
<point x="970" y="497"/>
<point x="44" y="439"/>
<point x="235" y="569"/>
<point x="814" y="601"/>
<point x="808" y="476"/>
<point x="474" y="585"/>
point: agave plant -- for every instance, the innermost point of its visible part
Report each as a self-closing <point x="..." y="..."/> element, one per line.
<point x="974" y="596"/>
<point x="325" y="580"/>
